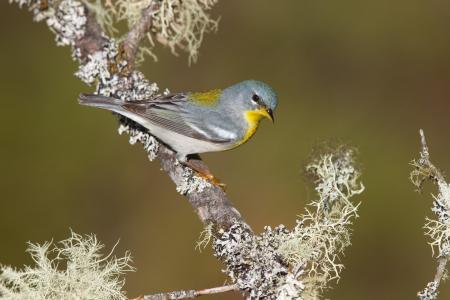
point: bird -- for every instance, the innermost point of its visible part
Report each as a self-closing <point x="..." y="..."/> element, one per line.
<point x="191" y="123"/>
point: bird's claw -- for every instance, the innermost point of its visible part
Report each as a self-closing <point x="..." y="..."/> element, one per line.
<point x="212" y="179"/>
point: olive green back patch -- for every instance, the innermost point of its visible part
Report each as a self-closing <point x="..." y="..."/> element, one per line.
<point x="208" y="98"/>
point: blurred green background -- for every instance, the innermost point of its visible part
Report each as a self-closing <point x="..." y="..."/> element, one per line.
<point x="368" y="72"/>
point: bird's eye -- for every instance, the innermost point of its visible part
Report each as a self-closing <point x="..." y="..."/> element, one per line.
<point x="256" y="98"/>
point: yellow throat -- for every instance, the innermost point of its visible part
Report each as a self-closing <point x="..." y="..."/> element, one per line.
<point x="253" y="117"/>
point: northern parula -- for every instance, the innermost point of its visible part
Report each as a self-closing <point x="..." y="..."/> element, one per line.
<point x="192" y="123"/>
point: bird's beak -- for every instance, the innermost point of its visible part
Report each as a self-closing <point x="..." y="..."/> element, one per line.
<point x="264" y="112"/>
<point x="270" y="115"/>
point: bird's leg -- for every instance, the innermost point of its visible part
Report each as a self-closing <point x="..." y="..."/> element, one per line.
<point x="195" y="163"/>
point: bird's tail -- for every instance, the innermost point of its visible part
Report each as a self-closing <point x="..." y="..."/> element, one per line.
<point x="99" y="101"/>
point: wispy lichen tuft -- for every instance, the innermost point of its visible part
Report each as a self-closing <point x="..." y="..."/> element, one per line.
<point x="104" y="14"/>
<point x="178" y="24"/>
<point x="323" y="232"/>
<point x="437" y="229"/>
<point x="205" y="237"/>
<point x="71" y="269"/>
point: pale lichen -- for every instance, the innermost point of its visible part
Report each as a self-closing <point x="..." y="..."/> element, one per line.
<point x="68" y="22"/>
<point x="104" y="14"/>
<point x="292" y="287"/>
<point x="96" y="68"/>
<point x="252" y="261"/>
<point x="150" y="144"/>
<point x="71" y="269"/>
<point x="67" y="18"/>
<point x="430" y="292"/>
<point x="190" y="182"/>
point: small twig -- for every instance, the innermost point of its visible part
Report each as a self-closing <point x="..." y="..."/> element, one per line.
<point x="425" y="154"/>
<point x="435" y="174"/>
<point x="138" y="32"/>
<point x="189" y="294"/>
<point x="426" y="170"/>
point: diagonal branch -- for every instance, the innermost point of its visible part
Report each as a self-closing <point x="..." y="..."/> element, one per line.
<point x="212" y="204"/>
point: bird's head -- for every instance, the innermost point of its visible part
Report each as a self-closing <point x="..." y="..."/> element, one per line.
<point x="256" y="99"/>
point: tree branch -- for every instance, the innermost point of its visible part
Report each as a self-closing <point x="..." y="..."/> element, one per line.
<point x="435" y="174"/>
<point x="93" y="39"/>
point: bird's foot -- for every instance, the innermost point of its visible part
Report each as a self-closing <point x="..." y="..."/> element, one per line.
<point x="202" y="171"/>
<point x="212" y="179"/>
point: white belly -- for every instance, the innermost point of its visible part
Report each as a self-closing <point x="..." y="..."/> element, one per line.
<point x="182" y="144"/>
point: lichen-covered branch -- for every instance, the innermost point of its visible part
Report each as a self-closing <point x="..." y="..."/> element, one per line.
<point x="139" y="31"/>
<point x="298" y="263"/>
<point x="277" y="264"/>
<point x="438" y="228"/>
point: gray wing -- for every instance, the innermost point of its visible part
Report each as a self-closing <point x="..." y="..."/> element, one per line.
<point x="175" y="113"/>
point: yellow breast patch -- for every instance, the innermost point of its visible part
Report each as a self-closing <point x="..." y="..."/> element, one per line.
<point x="208" y="98"/>
<point x="252" y="117"/>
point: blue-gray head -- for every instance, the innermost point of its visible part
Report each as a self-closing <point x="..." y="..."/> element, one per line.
<point x="254" y="97"/>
